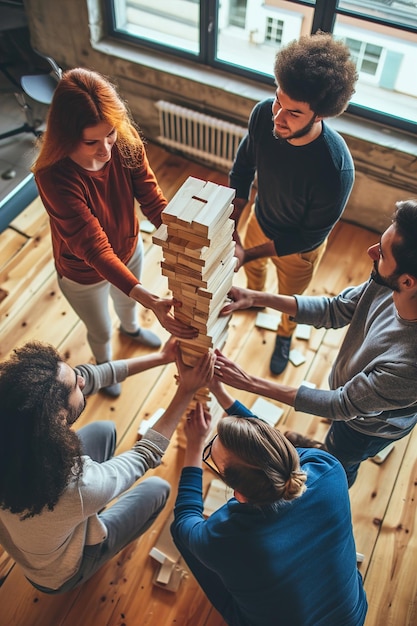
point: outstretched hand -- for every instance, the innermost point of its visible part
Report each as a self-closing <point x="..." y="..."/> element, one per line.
<point x="169" y="350"/>
<point x="220" y="392"/>
<point x="197" y="426"/>
<point x="198" y="376"/>
<point x="230" y="373"/>
<point x="241" y="299"/>
<point x="163" y="311"/>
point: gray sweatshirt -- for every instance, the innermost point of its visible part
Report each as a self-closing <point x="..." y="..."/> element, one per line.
<point x="49" y="546"/>
<point x="373" y="379"/>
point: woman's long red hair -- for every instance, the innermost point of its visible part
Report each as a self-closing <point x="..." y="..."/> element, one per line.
<point x="82" y="99"/>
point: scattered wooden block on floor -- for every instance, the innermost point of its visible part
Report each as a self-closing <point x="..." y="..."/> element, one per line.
<point x="296" y="357"/>
<point x="268" y="411"/>
<point x="218" y="494"/>
<point x="381" y="456"/>
<point x="269" y="321"/>
<point x="303" y="331"/>
<point x="172" y="567"/>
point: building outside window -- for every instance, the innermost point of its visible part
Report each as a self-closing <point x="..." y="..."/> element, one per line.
<point x="274" y="29"/>
<point x="366" y="55"/>
<point x="242" y="37"/>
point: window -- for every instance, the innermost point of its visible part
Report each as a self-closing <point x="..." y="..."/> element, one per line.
<point x="365" y="55"/>
<point x="237" y="13"/>
<point x="242" y="37"/>
<point x="274" y="30"/>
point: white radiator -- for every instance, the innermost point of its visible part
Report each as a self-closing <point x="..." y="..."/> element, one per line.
<point x="199" y="135"/>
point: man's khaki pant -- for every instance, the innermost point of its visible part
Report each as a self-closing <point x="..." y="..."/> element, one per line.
<point x="294" y="271"/>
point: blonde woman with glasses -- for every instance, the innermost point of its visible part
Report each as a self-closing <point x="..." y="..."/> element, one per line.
<point x="281" y="550"/>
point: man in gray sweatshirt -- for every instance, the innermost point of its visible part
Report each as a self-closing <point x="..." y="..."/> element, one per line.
<point x="372" y="399"/>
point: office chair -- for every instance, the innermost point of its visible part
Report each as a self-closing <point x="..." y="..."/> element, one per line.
<point x="40" y="87"/>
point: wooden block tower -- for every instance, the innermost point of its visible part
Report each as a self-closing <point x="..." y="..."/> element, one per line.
<point x="196" y="237"/>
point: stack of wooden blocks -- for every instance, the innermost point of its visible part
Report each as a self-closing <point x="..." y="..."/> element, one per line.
<point x="196" y="237"/>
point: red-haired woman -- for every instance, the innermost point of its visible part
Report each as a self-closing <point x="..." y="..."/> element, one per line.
<point x="91" y="167"/>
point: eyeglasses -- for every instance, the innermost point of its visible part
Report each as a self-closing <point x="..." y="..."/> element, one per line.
<point x="206" y="456"/>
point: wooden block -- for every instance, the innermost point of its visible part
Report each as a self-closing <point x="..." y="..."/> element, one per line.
<point x="203" y="203"/>
<point x="206" y="191"/>
<point x="191" y="262"/>
<point x="186" y="298"/>
<point x="198" y="240"/>
<point x="303" y="331"/>
<point x="187" y="288"/>
<point x="182" y="272"/>
<point x="203" y="293"/>
<point x="220" y="248"/>
<point x="216" y="330"/>
<point x="269" y="321"/>
<point x="160" y="236"/>
<point x="148" y="423"/>
<point x="218" y="204"/>
<point x="170" y="257"/>
<point x="165" y="572"/>
<point x="381" y="456"/>
<point x="164" y="543"/>
<point x="167" y="272"/>
<point x="198" y="236"/>
<point x="217" y="495"/>
<point x="296" y="357"/>
<point x="219" y="261"/>
<point x="186" y="214"/>
<point x="191" y="249"/>
<point x="187" y="348"/>
<point x="223" y="279"/>
<point x="191" y="187"/>
<point x="165" y="552"/>
<point x="267" y="410"/>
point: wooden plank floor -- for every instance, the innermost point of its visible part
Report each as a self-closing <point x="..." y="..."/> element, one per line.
<point x="122" y="593"/>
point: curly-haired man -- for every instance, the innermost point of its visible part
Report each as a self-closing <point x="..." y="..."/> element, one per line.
<point x="304" y="170"/>
<point x="56" y="483"/>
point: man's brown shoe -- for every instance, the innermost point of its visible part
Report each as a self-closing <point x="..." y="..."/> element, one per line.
<point x="300" y="441"/>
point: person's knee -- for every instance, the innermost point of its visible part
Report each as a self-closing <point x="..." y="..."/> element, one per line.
<point x="100" y="335"/>
<point x="159" y="487"/>
<point x="99" y="428"/>
<point x="105" y="429"/>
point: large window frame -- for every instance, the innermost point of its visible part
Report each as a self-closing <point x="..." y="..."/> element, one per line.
<point x="325" y="15"/>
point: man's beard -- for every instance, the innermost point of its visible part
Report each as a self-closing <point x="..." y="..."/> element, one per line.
<point x="386" y="281"/>
<point x="73" y="414"/>
<point x="298" y="133"/>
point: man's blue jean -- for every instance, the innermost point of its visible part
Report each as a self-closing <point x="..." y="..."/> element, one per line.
<point x="128" y="518"/>
<point x="352" y="447"/>
<point x="211" y="584"/>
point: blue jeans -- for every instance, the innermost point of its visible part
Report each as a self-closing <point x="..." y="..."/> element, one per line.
<point x="352" y="447"/>
<point x="211" y="584"/>
<point x="128" y="518"/>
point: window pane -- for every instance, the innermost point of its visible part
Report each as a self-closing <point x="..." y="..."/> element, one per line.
<point x="251" y="31"/>
<point x="175" y="23"/>
<point x="395" y="11"/>
<point x="386" y="59"/>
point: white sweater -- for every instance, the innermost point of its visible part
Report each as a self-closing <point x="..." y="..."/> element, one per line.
<point x="49" y="546"/>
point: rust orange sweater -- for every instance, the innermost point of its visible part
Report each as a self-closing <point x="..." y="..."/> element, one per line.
<point x="94" y="225"/>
